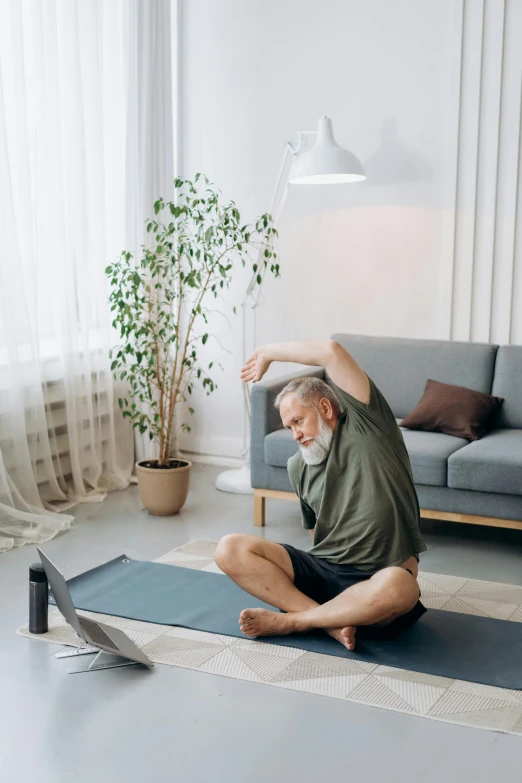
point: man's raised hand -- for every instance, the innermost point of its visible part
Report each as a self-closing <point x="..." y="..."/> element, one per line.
<point x="255" y="367"/>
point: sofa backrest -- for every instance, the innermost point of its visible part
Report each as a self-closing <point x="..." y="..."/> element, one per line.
<point x="507" y="383"/>
<point x="401" y="366"/>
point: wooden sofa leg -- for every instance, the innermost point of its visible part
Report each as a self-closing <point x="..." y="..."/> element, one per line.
<point x="259" y="510"/>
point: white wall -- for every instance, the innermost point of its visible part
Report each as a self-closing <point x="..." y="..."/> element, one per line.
<point x="377" y="257"/>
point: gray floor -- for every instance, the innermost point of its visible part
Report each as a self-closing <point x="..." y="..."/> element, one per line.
<point x="176" y="724"/>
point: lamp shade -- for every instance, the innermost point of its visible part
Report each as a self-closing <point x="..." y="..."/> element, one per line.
<point x="326" y="163"/>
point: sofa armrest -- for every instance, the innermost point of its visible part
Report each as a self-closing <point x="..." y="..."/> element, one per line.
<point x="264" y="418"/>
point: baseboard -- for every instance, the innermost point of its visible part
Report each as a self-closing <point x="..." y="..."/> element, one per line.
<point x="211" y="459"/>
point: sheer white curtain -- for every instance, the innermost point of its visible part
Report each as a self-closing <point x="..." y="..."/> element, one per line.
<point x="76" y="154"/>
<point x="150" y="145"/>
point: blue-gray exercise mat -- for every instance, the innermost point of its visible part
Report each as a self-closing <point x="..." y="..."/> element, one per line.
<point x="448" y="644"/>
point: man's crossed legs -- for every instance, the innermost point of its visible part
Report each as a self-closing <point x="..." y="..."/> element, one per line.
<point x="264" y="569"/>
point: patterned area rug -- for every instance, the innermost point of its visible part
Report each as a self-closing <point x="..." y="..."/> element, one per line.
<point x="439" y="698"/>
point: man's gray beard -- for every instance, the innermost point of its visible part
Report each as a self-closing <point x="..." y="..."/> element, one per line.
<point x="319" y="448"/>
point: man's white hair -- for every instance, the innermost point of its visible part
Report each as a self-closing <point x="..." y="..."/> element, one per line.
<point x="309" y="391"/>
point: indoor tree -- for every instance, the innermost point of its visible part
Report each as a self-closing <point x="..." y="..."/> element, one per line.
<point x="159" y="301"/>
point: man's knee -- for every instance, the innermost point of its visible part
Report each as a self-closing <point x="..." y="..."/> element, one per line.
<point x="230" y="549"/>
<point x="395" y="588"/>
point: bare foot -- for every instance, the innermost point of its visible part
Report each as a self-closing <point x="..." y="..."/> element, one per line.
<point x="263" y="622"/>
<point x="344" y="635"/>
<point x="348" y="633"/>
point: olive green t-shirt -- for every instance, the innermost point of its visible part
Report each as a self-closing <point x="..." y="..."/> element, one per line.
<point x="361" y="501"/>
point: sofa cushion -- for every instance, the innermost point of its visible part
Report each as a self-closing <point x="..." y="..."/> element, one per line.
<point x="493" y="464"/>
<point x="429" y="452"/>
<point x="455" y="410"/>
<point x="279" y="447"/>
<point x="507" y="383"/>
<point x="400" y="367"/>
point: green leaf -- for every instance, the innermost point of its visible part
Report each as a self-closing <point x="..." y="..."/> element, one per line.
<point x="191" y="410"/>
<point x="145" y="293"/>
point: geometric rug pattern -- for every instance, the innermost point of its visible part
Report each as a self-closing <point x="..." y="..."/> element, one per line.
<point x="424" y="695"/>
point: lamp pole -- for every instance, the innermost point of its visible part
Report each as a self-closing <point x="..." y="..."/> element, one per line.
<point x="326" y="163"/>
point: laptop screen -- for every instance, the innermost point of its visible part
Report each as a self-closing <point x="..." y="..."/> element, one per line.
<point x="61" y="594"/>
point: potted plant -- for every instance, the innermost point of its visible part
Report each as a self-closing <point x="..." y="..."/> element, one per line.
<point x="159" y="304"/>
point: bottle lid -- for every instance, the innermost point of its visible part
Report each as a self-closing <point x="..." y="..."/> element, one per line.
<point x="37" y="573"/>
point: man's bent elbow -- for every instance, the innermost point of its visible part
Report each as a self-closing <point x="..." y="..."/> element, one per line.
<point x="333" y="347"/>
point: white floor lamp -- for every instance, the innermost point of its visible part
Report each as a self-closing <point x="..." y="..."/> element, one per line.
<point x="325" y="164"/>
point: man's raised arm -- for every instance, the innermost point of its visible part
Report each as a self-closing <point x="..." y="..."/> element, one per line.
<point x="340" y="365"/>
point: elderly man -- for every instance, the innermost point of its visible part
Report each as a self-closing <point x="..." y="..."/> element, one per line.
<point x="353" y="477"/>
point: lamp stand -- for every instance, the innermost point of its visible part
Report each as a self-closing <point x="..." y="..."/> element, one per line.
<point x="238" y="479"/>
<point x="326" y="163"/>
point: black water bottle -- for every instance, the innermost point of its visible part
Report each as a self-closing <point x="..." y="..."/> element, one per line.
<point x="38" y="599"/>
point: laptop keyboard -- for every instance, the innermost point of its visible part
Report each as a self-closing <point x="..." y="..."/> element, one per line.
<point x="97" y="635"/>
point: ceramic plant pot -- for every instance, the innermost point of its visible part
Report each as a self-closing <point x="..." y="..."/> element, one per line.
<point x="164" y="490"/>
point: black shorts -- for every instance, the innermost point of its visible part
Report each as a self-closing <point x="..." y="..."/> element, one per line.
<point x="322" y="580"/>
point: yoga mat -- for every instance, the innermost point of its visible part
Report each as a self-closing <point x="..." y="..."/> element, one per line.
<point x="448" y="644"/>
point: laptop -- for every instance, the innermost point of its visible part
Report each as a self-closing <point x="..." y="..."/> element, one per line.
<point x="99" y="635"/>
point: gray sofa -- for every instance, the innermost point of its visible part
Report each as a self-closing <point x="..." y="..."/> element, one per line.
<point x="477" y="482"/>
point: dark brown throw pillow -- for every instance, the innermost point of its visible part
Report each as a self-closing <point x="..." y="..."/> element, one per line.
<point x="454" y="410"/>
